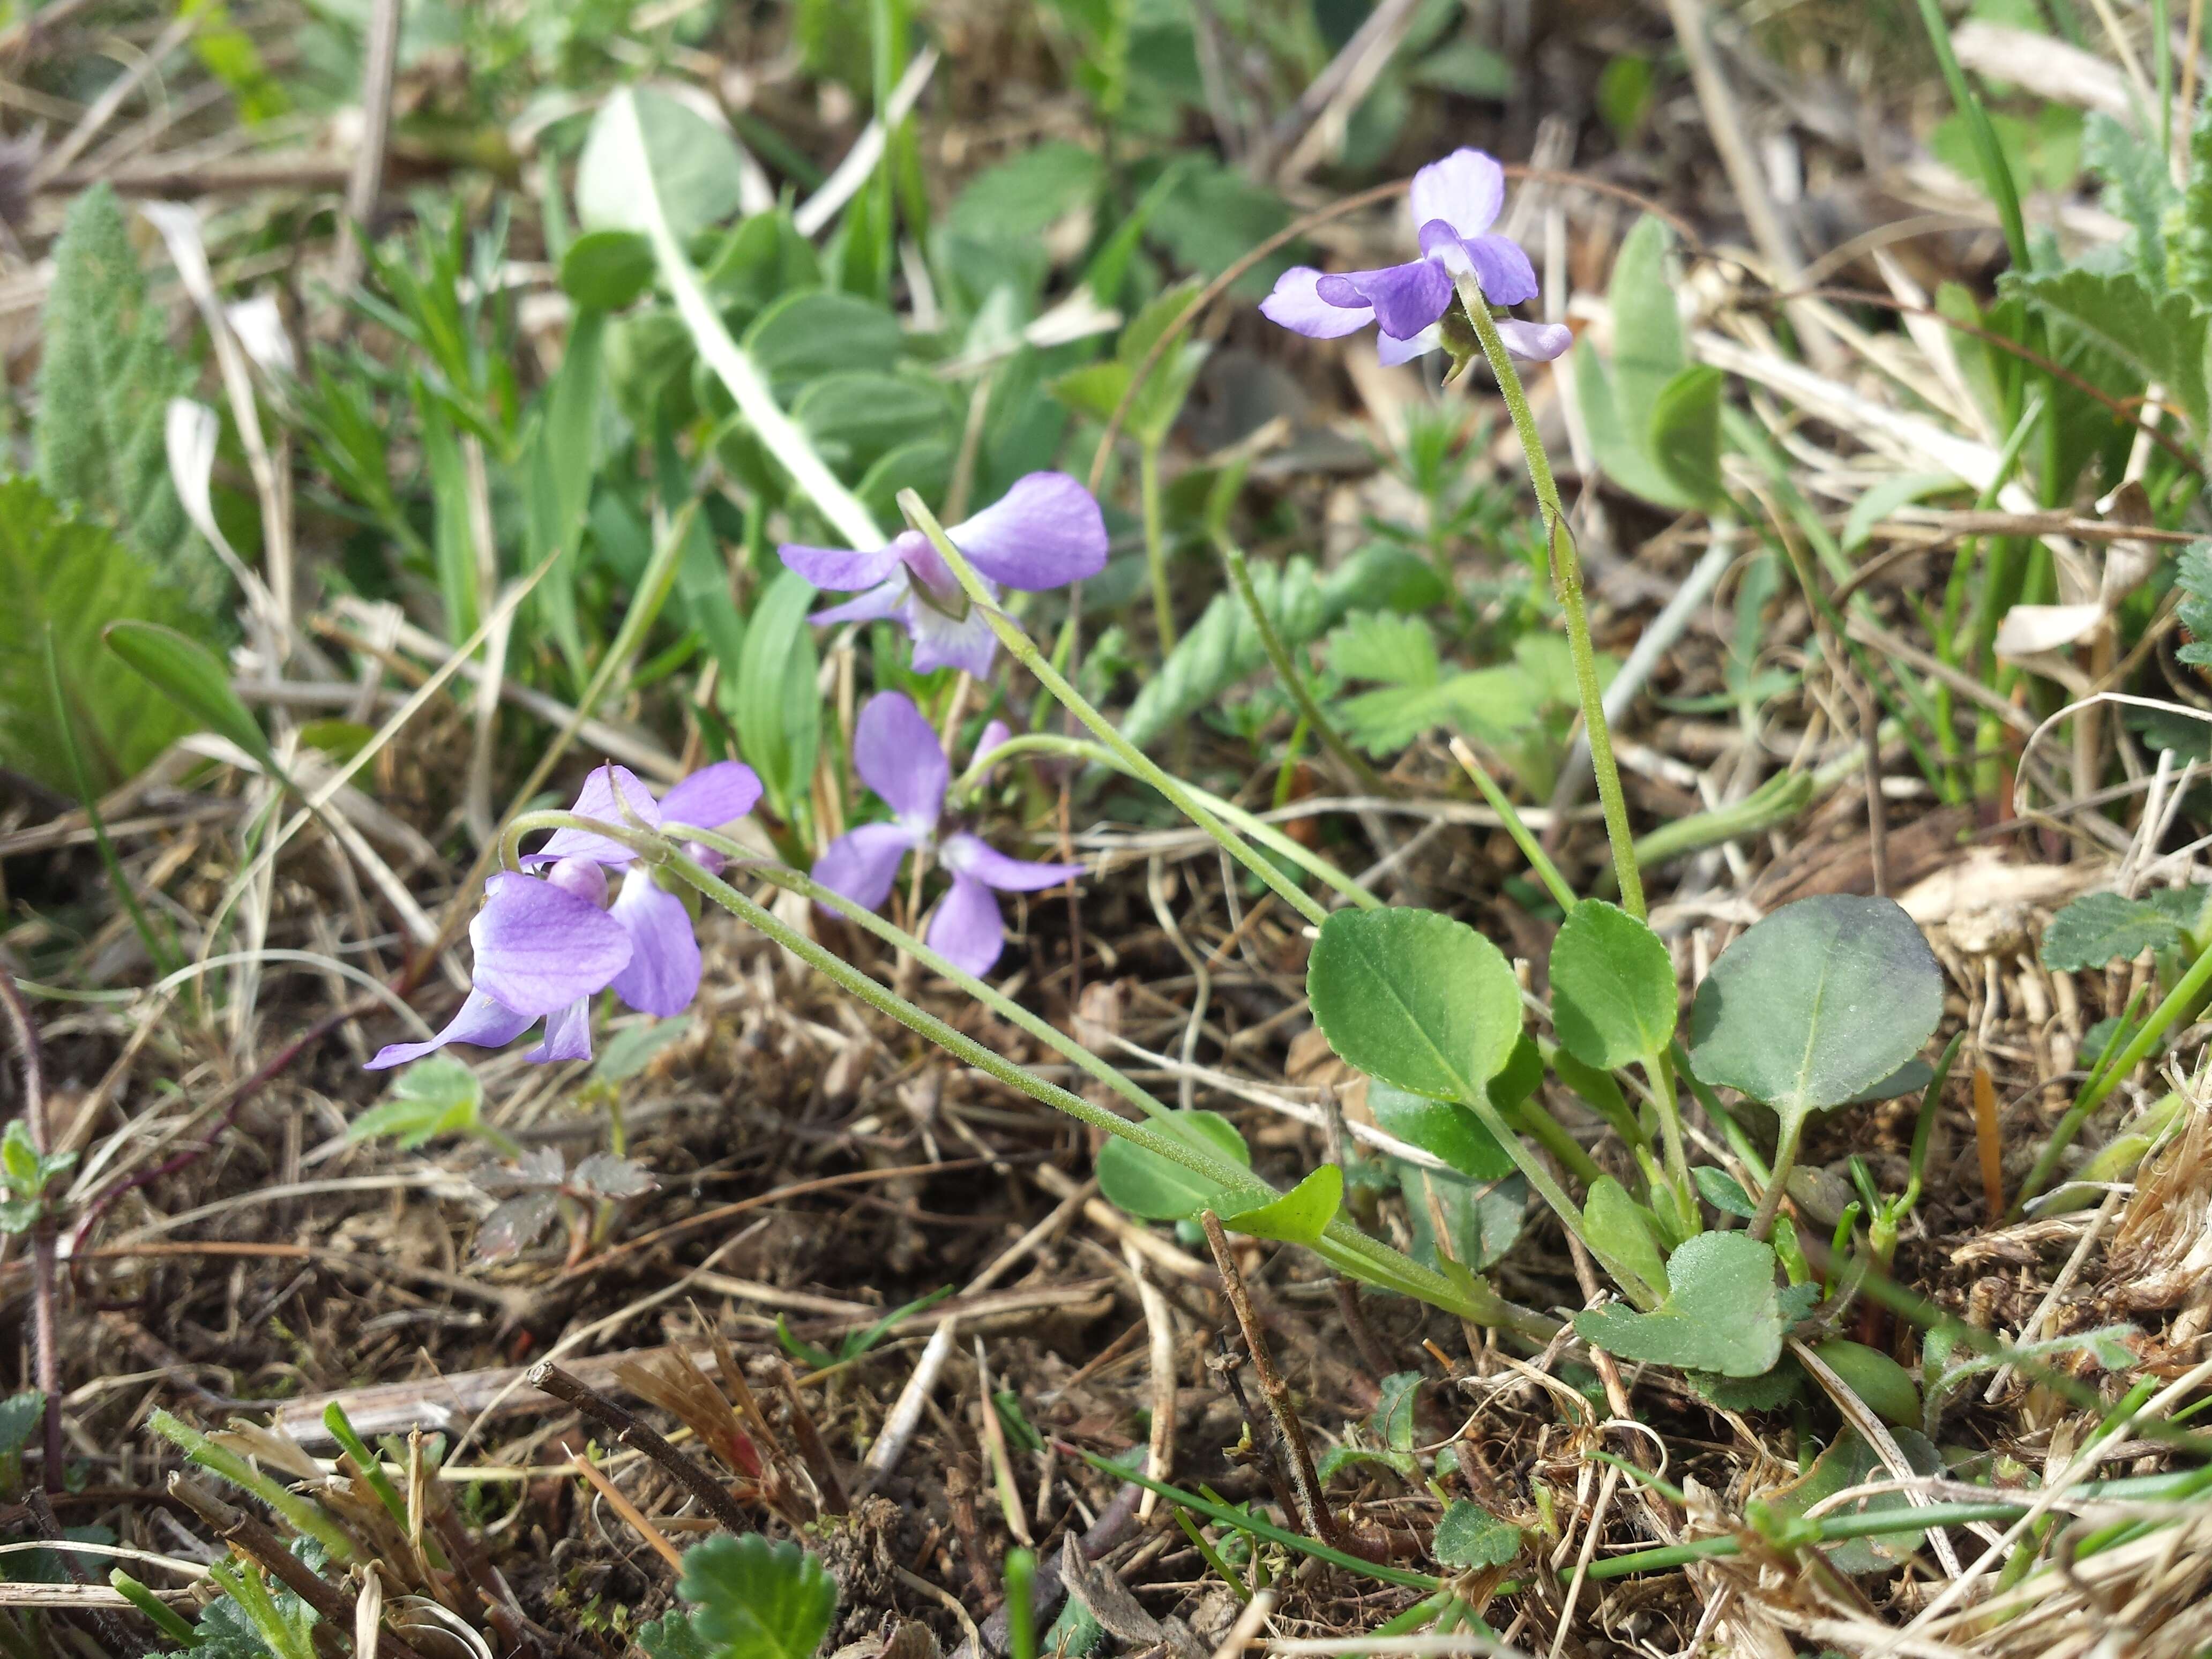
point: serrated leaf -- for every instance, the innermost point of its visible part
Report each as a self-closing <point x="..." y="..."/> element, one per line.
<point x="107" y="374"/>
<point x="1224" y="646"/>
<point x="1415" y="998"/>
<point x="758" y="1600"/>
<point x="1469" y="1536"/>
<point x="2192" y="578"/>
<point x="1393" y="1418"/>
<point x="1815" y="1002"/>
<point x="2138" y="185"/>
<point x="2101" y="928"/>
<point x="605" y="1175"/>
<point x="1614" y="999"/>
<point x="1300" y="1215"/>
<point x="433" y="1096"/>
<point x="62" y="571"/>
<point x="1395" y="650"/>
<point x="1721" y="1312"/>
<point x="1149" y="1186"/>
<point x="2158" y="333"/>
<point x="673" y="1636"/>
<point x="516" y="1224"/>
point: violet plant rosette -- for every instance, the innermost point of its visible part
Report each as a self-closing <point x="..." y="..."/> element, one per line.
<point x="896" y="753"/>
<point x="546" y="945"/>
<point x="1044" y="532"/>
<point x="1455" y="203"/>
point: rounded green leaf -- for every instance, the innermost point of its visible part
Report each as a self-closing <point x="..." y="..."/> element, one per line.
<point x="1300" y="1215"/>
<point x="1822" y="998"/>
<point x="1613" y="986"/>
<point x="1620" y="1236"/>
<point x="606" y="269"/>
<point x="1720" y="1312"/>
<point x="1442" y="1129"/>
<point x="644" y="143"/>
<point x="1469" y="1535"/>
<point x="1148" y="1185"/>
<point x="1885" y="1386"/>
<point x="1415" y="999"/>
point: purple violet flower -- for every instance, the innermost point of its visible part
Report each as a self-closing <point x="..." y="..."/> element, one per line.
<point x="546" y="946"/>
<point x="1455" y="202"/>
<point x="1045" y="531"/>
<point x="897" y="755"/>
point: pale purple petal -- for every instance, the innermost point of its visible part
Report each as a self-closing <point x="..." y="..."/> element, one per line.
<point x="1295" y="305"/>
<point x="968" y="855"/>
<point x="1541" y="341"/>
<point x="599" y="798"/>
<point x="538" y="948"/>
<point x="1465" y="190"/>
<point x="1391" y="350"/>
<point x="942" y="641"/>
<point x="926" y="570"/>
<point x="586" y="880"/>
<point x="663" y="976"/>
<point x="897" y="754"/>
<point x="568" y="1034"/>
<point x="839" y="567"/>
<point x="1045" y="532"/>
<point x="1503" y="268"/>
<point x="886" y="599"/>
<point x="863" y="863"/>
<point x="1407" y="298"/>
<point x="713" y="796"/>
<point x="994" y="734"/>
<point x="480" y="1020"/>
<point x="967" y="930"/>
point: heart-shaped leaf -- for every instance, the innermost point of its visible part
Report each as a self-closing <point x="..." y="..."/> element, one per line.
<point x="1300" y="1215"/>
<point x="1613" y="986"/>
<point x="1146" y="1185"/>
<point x="1415" y="999"/>
<point x="1822" y="998"/>
<point x="670" y="150"/>
<point x="1469" y="1535"/>
<point x="1720" y="1312"/>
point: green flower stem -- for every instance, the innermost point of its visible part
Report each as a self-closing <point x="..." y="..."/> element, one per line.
<point x="1531" y="848"/>
<point x="1535" y="1120"/>
<point x="1286" y="670"/>
<point x="1156" y="548"/>
<point x="1230" y="813"/>
<point x="306" y="1516"/>
<point x="2178" y="1000"/>
<point x="1025" y="652"/>
<point x="1660" y="1069"/>
<point x="1785" y="1160"/>
<point x="1567" y="580"/>
<point x="1343" y="1246"/>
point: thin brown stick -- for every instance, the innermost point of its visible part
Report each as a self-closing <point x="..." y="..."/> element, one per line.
<point x="247" y="1533"/>
<point x="549" y="1378"/>
<point x="1319" y="1518"/>
<point x="619" y="1502"/>
<point x="812" y="1447"/>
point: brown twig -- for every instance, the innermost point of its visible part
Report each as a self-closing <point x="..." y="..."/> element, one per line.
<point x="619" y="1502"/>
<point x="812" y="1447"/>
<point x="1319" y="1518"/>
<point x="112" y="1631"/>
<point x="247" y="1533"/>
<point x="549" y="1378"/>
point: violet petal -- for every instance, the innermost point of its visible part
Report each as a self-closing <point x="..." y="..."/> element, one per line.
<point x="598" y="798"/>
<point x="967" y="930"/>
<point x="995" y="733"/>
<point x="1465" y="190"/>
<point x="1297" y="306"/>
<point x="1391" y="350"/>
<point x="885" y="598"/>
<point x="1407" y="298"/>
<point x="1540" y="342"/>
<point x="538" y="948"/>
<point x="897" y="754"/>
<point x="663" y="974"/>
<point x="1502" y="267"/>
<point x="863" y="863"/>
<point x="942" y="641"/>
<point x="839" y="567"/>
<point x="568" y="1034"/>
<point x="1045" y="532"/>
<point x="970" y="856"/>
<point x="713" y="796"/>
<point x="480" y="1020"/>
